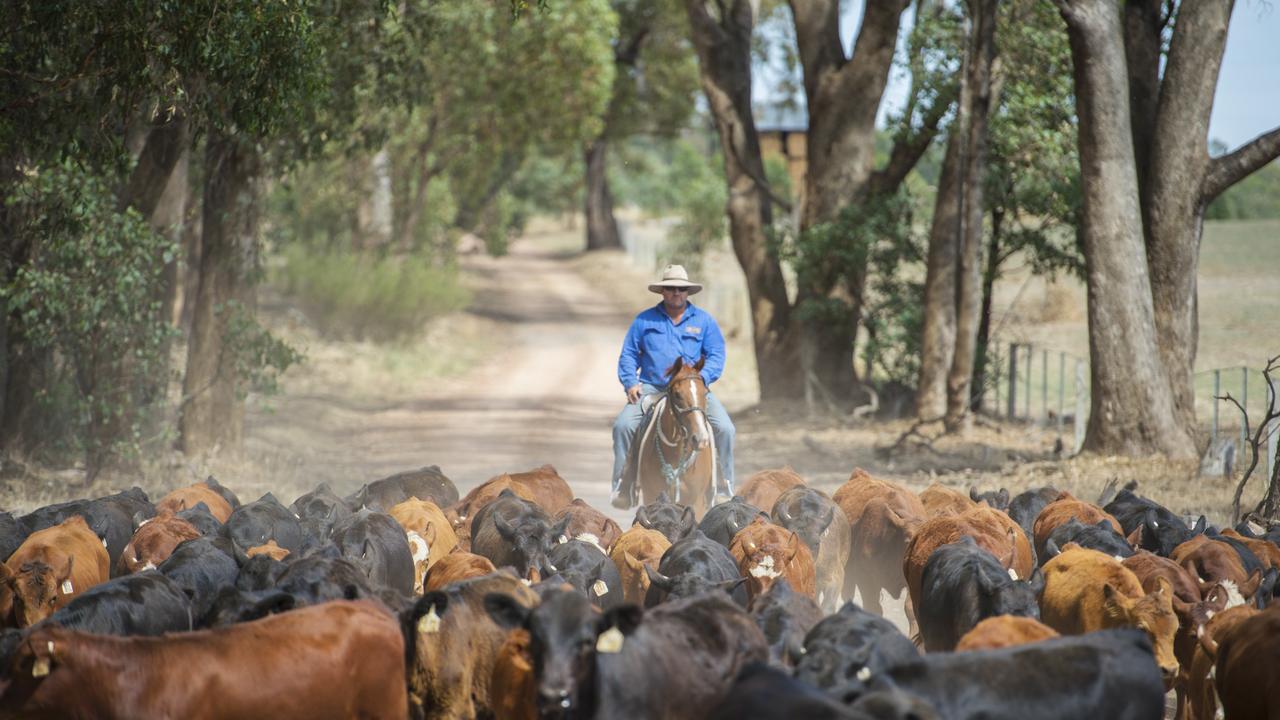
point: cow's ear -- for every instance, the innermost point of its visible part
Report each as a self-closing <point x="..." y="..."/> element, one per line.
<point x="642" y="518"/>
<point x="1198" y="529"/>
<point x="1114" y="604"/>
<point x="1003" y="497"/>
<point x="701" y="361"/>
<point x="503" y="527"/>
<point x="730" y="585"/>
<point x="66" y="574"/>
<point x="504" y="610"/>
<point x="627" y="558"/>
<point x="624" y="617"/>
<point x="1036" y="582"/>
<point x="689" y="519"/>
<point x="1135" y="537"/>
<point x="561" y="528"/>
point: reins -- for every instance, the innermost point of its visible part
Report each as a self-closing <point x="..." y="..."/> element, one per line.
<point x="672" y="474"/>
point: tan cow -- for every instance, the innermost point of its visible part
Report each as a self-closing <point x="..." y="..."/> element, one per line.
<point x="153" y="542"/>
<point x="883" y="516"/>
<point x="192" y="495"/>
<point x="765" y="552"/>
<point x="52" y="567"/>
<point x="1061" y="511"/>
<point x="763" y="488"/>
<point x="456" y="567"/>
<point x="632" y="552"/>
<point x="430" y="534"/>
<point x="1004" y="631"/>
<point x="938" y="499"/>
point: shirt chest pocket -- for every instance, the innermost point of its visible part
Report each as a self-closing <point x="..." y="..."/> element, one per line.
<point x="691" y="340"/>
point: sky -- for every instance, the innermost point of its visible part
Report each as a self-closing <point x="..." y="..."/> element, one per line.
<point x="1247" y="103"/>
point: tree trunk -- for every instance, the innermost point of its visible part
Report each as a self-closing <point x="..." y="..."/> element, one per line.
<point x="170" y="219"/>
<point x="213" y="412"/>
<point x="983" y="345"/>
<point x="1133" y="406"/>
<point x="602" y="229"/>
<point x="937" y="346"/>
<point x="977" y="99"/>
<point x="166" y="141"/>
<point x="723" y="45"/>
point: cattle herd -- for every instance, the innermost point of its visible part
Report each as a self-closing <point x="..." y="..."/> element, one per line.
<point x="519" y="601"/>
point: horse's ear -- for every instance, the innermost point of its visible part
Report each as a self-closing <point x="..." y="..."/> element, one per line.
<point x="701" y="361"/>
<point x="675" y="367"/>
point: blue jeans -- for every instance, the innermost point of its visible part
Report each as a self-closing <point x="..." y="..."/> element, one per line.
<point x="628" y="422"/>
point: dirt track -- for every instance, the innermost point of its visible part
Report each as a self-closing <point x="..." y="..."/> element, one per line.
<point x="548" y="395"/>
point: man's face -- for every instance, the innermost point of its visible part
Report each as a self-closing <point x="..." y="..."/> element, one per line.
<point x="675" y="298"/>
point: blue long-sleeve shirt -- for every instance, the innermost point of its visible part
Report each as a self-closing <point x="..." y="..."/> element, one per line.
<point x="653" y="343"/>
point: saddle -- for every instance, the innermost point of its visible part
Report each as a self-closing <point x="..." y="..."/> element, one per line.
<point x="653" y="404"/>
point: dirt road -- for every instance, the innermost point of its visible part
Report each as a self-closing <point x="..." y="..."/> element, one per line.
<point x="548" y="395"/>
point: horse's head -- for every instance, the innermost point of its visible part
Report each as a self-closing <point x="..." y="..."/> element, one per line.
<point x="687" y="400"/>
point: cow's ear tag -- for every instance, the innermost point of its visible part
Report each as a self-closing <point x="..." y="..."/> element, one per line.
<point x="610" y="641"/>
<point x="430" y="623"/>
<point x="600" y="588"/>
<point x="40" y="668"/>
<point x="66" y="587"/>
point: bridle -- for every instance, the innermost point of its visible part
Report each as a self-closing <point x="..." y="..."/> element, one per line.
<point x="672" y="474"/>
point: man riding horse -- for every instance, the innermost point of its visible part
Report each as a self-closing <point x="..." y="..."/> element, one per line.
<point x="674" y="329"/>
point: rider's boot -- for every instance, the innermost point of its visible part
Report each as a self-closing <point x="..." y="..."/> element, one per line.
<point x="623" y="496"/>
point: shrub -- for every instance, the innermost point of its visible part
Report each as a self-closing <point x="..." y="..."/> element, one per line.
<point x="369" y="296"/>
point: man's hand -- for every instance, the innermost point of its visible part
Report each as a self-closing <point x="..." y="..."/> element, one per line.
<point x="633" y="394"/>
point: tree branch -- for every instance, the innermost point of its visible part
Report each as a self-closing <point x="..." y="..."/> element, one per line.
<point x="1240" y="164"/>
<point x="908" y="150"/>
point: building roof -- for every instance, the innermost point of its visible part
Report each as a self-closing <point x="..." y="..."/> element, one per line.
<point x="781" y="118"/>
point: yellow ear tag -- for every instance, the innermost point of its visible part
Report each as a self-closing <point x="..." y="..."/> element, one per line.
<point x="66" y="587"/>
<point x="40" y="668"/>
<point x="610" y="641"/>
<point x="600" y="588"/>
<point x="430" y="623"/>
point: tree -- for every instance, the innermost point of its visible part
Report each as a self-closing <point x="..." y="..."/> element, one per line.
<point x="655" y="77"/>
<point x="1156" y="181"/>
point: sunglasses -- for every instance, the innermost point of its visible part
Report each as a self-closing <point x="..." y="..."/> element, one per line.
<point x="675" y="289"/>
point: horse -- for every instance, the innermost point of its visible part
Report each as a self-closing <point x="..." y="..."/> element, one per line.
<point x="676" y="455"/>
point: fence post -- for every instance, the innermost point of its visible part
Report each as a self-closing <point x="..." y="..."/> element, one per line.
<point x="1026" y="401"/>
<point x="1244" y="405"/>
<point x="1079" y="419"/>
<point x="1013" y="380"/>
<point x="1217" y="390"/>
<point x="1044" y="386"/>
<point x="1062" y="382"/>
<point x="1271" y="437"/>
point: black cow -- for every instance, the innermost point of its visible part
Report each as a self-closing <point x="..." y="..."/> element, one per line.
<point x="201" y="567"/>
<point x="226" y="494"/>
<point x="260" y="573"/>
<point x="723" y="521"/>
<point x="998" y="499"/>
<point x="426" y="483"/>
<point x="202" y="520"/>
<point x="323" y="574"/>
<point x="1101" y="537"/>
<point x="319" y="510"/>
<point x="590" y="571"/>
<point x="233" y="605"/>
<point x="262" y="520"/>
<point x="1026" y="506"/>
<point x="846" y="648"/>
<point x="377" y="545"/>
<point x="784" y="617"/>
<point x="963" y="585"/>
<point x="694" y="565"/>
<point x="673" y="520"/>
<point x="1106" y="674"/>
<point x="513" y="531"/>
<point x="761" y="692"/>
<point x="675" y="661"/>
<point x="1157" y="528"/>
<point x="12" y="533"/>
<point x="824" y="528"/>
<point x="146" y="603"/>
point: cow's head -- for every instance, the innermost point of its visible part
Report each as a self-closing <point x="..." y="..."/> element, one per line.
<point x="687" y="584"/>
<point x="530" y="538"/>
<point x="564" y="637"/>
<point x="806" y="515"/>
<point x="1016" y="597"/>
<point x="38" y="590"/>
<point x="154" y="542"/>
<point x="673" y="520"/>
<point x="1153" y="614"/>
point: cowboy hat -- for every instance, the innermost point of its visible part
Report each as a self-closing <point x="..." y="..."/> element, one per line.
<point x="675" y="276"/>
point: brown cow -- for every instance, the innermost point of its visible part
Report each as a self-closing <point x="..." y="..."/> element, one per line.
<point x="334" y="660"/>
<point x="53" y="566"/>
<point x="1202" y="698"/>
<point x="543" y="487"/>
<point x="1248" y="667"/>
<point x="1004" y="540"/>
<point x="271" y="550"/>
<point x="154" y="541"/>
<point x="1060" y="511"/>
<point x="586" y="520"/>
<point x="763" y="488"/>
<point x="1267" y="553"/>
<point x="429" y="532"/>
<point x="1086" y="590"/>
<point x="456" y="567"/>
<point x="192" y="495"/>
<point x="635" y="549"/>
<point x="1213" y="561"/>
<point x="938" y="499"/>
<point x="513" y="689"/>
<point x="1004" y="631"/>
<point x="882" y="518"/>
<point x="456" y="645"/>
<point x="765" y="552"/>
